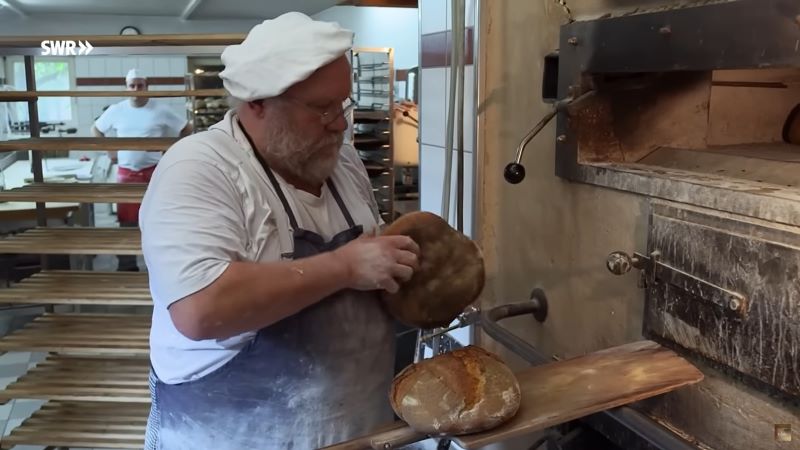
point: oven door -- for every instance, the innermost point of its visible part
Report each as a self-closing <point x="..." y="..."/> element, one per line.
<point x="726" y="288"/>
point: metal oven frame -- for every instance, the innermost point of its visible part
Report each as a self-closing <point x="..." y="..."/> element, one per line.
<point x="741" y="34"/>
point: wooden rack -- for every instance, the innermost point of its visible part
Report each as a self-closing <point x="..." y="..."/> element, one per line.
<point x="22" y="96"/>
<point x="83" y="334"/>
<point x="95" y="378"/>
<point x="76" y="192"/>
<point x="63" y="287"/>
<point x="74" y="241"/>
<point x="84" y="380"/>
<point x="97" y="144"/>
<point x="83" y="425"/>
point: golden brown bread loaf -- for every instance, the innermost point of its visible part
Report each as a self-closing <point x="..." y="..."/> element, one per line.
<point x="465" y="391"/>
<point x="450" y="277"/>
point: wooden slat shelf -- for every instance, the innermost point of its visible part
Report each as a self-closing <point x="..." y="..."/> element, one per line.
<point x="83" y="425"/>
<point x="151" y="40"/>
<point x="64" y="287"/>
<point x="74" y="241"/>
<point x="76" y="192"/>
<point x="21" y="96"/>
<point x="63" y="144"/>
<point x="83" y="334"/>
<point x="83" y="380"/>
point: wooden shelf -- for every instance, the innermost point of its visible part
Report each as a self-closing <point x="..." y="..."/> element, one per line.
<point x="83" y="334"/>
<point x="22" y="96"/>
<point x="151" y="40"/>
<point x="74" y="241"/>
<point x="63" y="144"/>
<point x="63" y="287"/>
<point x="83" y="380"/>
<point x="83" y="425"/>
<point x="76" y="192"/>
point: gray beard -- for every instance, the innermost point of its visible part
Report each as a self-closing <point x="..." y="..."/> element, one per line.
<point x="307" y="159"/>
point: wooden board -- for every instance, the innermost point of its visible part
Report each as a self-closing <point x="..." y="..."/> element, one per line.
<point x="120" y="380"/>
<point x="562" y="391"/>
<point x="74" y="241"/>
<point x="86" y="144"/>
<point x="149" y="40"/>
<point x="82" y="425"/>
<point x="77" y="192"/>
<point x="64" y="287"/>
<point x="83" y="334"/>
<point x="17" y="96"/>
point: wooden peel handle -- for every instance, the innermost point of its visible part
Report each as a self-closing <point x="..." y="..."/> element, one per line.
<point x="389" y="437"/>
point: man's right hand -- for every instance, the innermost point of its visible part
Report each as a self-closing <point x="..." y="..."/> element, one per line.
<point x="381" y="262"/>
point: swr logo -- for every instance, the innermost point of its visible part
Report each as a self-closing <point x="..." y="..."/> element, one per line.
<point x="66" y="48"/>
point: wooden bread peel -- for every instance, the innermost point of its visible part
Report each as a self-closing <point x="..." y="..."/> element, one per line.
<point x="566" y="390"/>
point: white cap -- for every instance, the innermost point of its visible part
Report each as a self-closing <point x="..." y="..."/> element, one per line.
<point x="133" y="74"/>
<point x="279" y="53"/>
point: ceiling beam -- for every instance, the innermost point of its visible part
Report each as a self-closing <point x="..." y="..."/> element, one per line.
<point x="14" y="6"/>
<point x="383" y="3"/>
<point x="190" y="8"/>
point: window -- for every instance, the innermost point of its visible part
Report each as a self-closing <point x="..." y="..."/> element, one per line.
<point x="50" y="76"/>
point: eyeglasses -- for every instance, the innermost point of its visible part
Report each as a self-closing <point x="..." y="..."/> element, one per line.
<point x="331" y="114"/>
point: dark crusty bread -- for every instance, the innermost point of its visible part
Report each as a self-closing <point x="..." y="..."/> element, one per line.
<point x="791" y="128"/>
<point x="465" y="391"/>
<point x="450" y="277"/>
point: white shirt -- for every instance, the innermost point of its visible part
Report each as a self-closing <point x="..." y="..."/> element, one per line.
<point x="154" y="119"/>
<point x="209" y="203"/>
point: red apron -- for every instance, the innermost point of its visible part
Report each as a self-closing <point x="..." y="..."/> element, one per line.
<point x="129" y="212"/>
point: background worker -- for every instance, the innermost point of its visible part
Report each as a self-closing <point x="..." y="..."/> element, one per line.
<point x="143" y="118"/>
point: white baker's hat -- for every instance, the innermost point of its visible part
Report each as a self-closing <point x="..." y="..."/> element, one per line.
<point x="279" y="53"/>
<point x="134" y="74"/>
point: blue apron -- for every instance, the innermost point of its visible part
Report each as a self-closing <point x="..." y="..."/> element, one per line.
<point x="316" y="378"/>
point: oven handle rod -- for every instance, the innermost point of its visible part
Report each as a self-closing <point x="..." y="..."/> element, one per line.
<point x="629" y="418"/>
<point x="515" y="172"/>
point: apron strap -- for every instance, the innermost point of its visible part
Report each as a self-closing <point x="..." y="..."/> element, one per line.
<point x="279" y="191"/>
<point x="223" y="139"/>
<point x="350" y="222"/>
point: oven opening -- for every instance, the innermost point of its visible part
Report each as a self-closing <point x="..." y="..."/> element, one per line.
<point x="741" y="124"/>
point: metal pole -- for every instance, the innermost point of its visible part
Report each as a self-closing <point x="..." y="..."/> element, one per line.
<point x="36" y="155"/>
<point x="33" y="118"/>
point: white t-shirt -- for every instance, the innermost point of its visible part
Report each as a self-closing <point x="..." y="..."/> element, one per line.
<point x="154" y="119"/>
<point x="209" y="203"/>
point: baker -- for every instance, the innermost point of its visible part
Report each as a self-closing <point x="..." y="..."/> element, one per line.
<point x="144" y="118"/>
<point x="260" y="241"/>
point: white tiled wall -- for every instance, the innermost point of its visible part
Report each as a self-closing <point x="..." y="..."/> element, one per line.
<point x="434" y="91"/>
<point x="432" y="163"/>
<point x="433" y="103"/>
<point x="436" y="15"/>
<point x="89" y="108"/>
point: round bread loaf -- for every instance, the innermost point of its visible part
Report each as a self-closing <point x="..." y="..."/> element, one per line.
<point x="450" y="277"/>
<point x="464" y="391"/>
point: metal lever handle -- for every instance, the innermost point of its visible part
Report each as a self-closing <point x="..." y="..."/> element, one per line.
<point x="514" y="172"/>
<point x="620" y="263"/>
